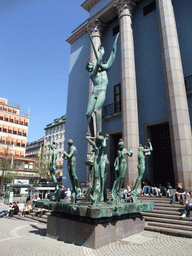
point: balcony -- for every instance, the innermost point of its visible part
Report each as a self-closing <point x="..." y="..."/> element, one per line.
<point x="188" y="84"/>
<point x="111" y="110"/>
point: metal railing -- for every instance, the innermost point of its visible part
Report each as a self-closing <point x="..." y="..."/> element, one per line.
<point x="188" y="83"/>
<point x="110" y="110"/>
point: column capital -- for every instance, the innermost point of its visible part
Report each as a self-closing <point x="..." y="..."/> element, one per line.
<point x="95" y="27"/>
<point x="124" y="7"/>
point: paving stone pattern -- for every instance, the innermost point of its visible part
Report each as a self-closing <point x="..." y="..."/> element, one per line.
<point x="19" y="237"/>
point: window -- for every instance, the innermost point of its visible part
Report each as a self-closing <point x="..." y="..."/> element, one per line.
<point x="30" y="166"/>
<point x="60" y="135"/>
<point x="59" y="154"/>
<point x="56" y="136"/>
<point x="56" y="145"/>
<point x="115" y="30"/>
<point x="149" y="8"/>
<point x="60" y="144"/>
<point x="53" y="137"/>
<point x="117" y="98"/>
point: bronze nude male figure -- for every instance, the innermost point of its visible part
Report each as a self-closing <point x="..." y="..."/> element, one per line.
<point x="99" y="165"/>
<point x="100" y="80"/>
<point x="120" y="170"/>
<point x="71" y="157"/>
<point x="143" y="151"/>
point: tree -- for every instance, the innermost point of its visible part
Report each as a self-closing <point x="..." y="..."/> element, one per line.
<point x="7" y="167"/>
<point x="41" y="166"/>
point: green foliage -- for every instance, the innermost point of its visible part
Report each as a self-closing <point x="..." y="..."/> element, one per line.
<point x="41" y="166"/>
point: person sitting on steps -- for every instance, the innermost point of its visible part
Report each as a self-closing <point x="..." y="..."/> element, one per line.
<point x="179" y="194"/>
<point x="188" y="206"/>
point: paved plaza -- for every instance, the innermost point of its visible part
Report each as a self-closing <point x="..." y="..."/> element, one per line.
<point x="18" y="237"/>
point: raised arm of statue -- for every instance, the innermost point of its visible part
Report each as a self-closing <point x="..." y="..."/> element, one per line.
<point x="104" y="144"/>
<point x="98" y="64"/>
<point x="147" y="151"/>
<point x="112" y="56"/>
<point x="91" y="141"/>
<point x="129" y="152"/>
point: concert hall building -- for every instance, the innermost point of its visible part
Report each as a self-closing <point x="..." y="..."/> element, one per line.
<point x="149" y="94"/>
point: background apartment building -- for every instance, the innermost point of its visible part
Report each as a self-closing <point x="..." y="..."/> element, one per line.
<point x="13" y="128"/>
<point x="35" y="148"/>
<point x="55" y="132"/>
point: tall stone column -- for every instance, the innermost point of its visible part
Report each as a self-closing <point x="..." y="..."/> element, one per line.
<point x="179" y="121"/>
<point x="128" y="88"/>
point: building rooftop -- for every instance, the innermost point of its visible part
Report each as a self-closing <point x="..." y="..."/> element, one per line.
<point x="56" y="122"/>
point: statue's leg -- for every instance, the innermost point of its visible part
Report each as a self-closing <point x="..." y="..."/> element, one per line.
<point x="96" y="184"/>
<point x="90" y="109"/>
<point x="102" y="172"/>
<point x="138" y="181"/>
<point x="98" y="106"/>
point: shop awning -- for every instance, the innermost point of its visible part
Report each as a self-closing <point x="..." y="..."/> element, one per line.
<point x="2" y="138"/>
<point x="1" y="150"/>
<point x="17" y="153"/>
<point x="13" y="140"/>
<point x="22" y="153"/>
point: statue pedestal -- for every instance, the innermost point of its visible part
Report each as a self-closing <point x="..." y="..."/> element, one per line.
<point x="93" y="227"/>
<point x="93" y="235"/>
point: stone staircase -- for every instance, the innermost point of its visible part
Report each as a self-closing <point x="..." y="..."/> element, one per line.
<point x="166" y="218"/>
<point x="31" y="216"/>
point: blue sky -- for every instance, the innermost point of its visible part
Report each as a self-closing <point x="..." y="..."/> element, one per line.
<point x="34" y="64"/>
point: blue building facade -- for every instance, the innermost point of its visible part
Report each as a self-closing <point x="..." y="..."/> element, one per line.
<point x="162" y="71"/>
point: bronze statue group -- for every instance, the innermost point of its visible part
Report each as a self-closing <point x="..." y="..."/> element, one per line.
<point x="98" y="159"/>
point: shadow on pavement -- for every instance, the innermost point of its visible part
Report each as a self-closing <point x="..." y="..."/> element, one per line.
<point x="38" y="231"/>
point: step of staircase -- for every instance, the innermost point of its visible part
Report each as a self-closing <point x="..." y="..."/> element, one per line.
<point x="166" y="217"/>
<point x="169" y="231"/>
<point x="31" y="216"/>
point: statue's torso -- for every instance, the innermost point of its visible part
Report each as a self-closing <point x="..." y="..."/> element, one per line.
<point x="141" y="158"/>
<point x="100" y="81"/>
<point x="73" y="158"/>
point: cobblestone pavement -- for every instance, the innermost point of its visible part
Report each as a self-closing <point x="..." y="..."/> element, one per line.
<point x="19" y="237"/>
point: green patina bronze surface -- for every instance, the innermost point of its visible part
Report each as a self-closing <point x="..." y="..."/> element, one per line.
<point x="71" y="166"/>
<point x="120" y="166"/>
<point x="98" y="75"/>
<point x="102" y="210"/>
<point x="143" y="151"/>
<point x="99" y="167"/>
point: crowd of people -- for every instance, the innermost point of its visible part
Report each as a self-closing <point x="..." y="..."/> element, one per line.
<point x="147" y="189"/>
